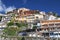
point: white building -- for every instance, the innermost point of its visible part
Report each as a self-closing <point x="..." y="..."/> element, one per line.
<point x="58" y="18"/>
<point x="42" y="12"/>
<point x="51" y="17"/>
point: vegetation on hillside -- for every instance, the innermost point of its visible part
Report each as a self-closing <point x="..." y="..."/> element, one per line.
<point x="13" y="27"/>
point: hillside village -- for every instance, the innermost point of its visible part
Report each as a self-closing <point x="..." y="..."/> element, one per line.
<point x="39" y="23"/>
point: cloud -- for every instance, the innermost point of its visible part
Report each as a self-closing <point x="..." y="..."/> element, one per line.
<point x="1" y="9"/>
<point x="10" y="8"/>
<point x="4" y="8"/>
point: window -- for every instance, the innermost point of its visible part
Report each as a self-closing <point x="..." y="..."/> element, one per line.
<point x="30" y="17"/>
<point x="59" y="33"/>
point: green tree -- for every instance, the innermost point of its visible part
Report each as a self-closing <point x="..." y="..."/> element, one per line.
<point x="52" y="13"/>
<point x="13" y="27"/>
<point x="10" y="24"/>
<point x="10" y="29"/>
<point x="55" y="14"/>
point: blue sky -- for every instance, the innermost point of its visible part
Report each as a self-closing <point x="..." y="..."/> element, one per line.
<point x="43" y="5"/>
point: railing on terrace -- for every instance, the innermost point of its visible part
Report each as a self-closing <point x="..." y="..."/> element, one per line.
<point x="50" y="26"/>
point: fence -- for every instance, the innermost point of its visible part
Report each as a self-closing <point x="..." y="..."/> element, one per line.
<point x="27" y="38"/>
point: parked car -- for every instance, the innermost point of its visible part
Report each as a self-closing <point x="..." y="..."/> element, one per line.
<point x="22" y="34"/>
<point x="55" y="34"/>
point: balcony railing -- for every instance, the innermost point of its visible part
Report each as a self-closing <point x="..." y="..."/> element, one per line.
<point x="50" y="26"/>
